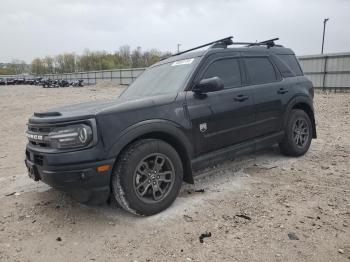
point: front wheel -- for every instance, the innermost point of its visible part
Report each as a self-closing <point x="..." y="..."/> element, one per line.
<point x="147" y="177"/>
<point x="298" y="134"/>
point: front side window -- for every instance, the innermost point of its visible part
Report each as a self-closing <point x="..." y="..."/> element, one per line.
<point x="260" y="70"/>
<point x="227" y="70"/>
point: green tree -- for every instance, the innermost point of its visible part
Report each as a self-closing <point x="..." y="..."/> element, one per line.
<point x="68" y="63"/>
<point x="18" y="67"/>
<point x="49" y="65"/>
<point x="38" y="66"/>
<point x="92" y="60"/>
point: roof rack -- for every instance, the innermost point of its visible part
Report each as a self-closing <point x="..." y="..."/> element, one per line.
<point x="269" y="43"/>
<point x="223" y="43"/>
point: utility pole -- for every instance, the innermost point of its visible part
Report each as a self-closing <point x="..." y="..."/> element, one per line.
<point x="324" y="32"/>
<point x="178" y="48"/>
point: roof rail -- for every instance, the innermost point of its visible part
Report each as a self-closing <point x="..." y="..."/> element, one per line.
<point x="269" y="43"/>
<point x="224" y="42"/>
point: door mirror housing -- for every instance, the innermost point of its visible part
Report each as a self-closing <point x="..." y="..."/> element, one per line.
<point x="209" y="85"/>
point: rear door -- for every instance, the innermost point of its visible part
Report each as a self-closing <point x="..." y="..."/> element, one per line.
<point x="268" y="89"/>
<point x="223" y="117"/>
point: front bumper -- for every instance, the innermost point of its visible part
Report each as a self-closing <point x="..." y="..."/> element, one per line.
<point x="81" y="180"/>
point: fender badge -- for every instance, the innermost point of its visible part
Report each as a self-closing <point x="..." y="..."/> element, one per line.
<point x="203" y="127"/>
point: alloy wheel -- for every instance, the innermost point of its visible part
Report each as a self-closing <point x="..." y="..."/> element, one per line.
<point x="301" y="132"/>
<point x="154" y="177"/>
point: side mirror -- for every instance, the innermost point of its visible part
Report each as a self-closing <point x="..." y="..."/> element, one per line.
<point x="209" y="85"/>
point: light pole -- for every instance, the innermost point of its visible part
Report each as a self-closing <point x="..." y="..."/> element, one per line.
<point x="324" y="32"/>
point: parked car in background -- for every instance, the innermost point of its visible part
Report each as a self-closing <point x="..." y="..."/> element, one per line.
<point x="29" y="81"/>
<point x="77" y="83"/>
<point x="19" y="81"/>
<point x="37" y="80"/>
<point x="63" y="83"/>
<point x="10" y="81"/>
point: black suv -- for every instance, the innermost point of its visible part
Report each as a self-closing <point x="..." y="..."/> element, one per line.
<point x="185" y="112"/>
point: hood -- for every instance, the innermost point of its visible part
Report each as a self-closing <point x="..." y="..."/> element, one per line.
<point x="92" y="109"/>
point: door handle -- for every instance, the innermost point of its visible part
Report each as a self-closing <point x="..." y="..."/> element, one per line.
<point x="282" y="91"/>
<point x="240" y="98"/>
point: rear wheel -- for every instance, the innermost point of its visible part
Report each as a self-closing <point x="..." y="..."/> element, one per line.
<point x="298" y="134"/>
<point x="147" y="177"/>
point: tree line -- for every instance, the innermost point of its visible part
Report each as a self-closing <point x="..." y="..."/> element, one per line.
<point x="14" y="68"/>
<point x="88" y="61"/>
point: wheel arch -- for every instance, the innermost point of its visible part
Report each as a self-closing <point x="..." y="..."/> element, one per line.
<point x="163" y="130"/>
<point x="303" y="103"/>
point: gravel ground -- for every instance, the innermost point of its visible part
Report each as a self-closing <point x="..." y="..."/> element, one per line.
<point x="260" y="207"/>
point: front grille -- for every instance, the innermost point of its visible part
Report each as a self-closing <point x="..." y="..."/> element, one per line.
<point x="35" y="131"/>
<point x="39" y="129"/>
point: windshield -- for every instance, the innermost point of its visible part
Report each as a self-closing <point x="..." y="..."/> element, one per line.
<point x="162" y="79"/>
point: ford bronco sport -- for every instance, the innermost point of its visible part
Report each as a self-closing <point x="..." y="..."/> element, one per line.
<point x="183" y="113"/>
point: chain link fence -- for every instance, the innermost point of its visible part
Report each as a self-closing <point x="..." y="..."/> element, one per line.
<point x="118" y="76"/>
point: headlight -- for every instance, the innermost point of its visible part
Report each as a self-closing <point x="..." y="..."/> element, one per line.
<point x="73" y="136"/>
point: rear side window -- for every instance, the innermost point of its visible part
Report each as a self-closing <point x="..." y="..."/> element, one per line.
<point x="260" y="70"/>
<point x="227" y="70"/>
<point x="292" y="62"/>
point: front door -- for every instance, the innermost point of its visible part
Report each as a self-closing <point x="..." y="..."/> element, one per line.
<point x="223" y="117"/>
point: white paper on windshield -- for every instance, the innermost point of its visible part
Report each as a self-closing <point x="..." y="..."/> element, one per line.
<point x="183" y="62"/>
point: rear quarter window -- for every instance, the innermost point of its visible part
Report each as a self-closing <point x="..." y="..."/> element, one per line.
<point x="292" y="62"/>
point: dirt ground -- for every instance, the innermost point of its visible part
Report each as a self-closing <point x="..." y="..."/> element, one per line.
<point x="259" y="207"/>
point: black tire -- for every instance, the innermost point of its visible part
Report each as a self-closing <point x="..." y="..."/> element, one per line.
<point x="297" y="140"/>
<point x="134" y="168"/>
